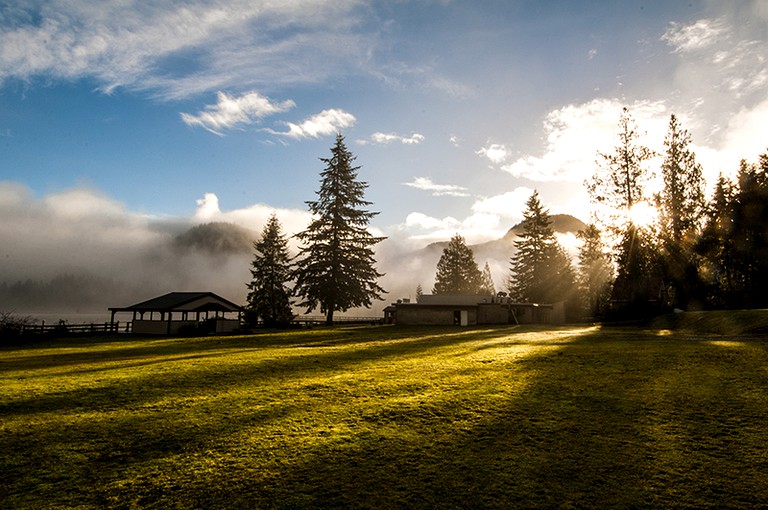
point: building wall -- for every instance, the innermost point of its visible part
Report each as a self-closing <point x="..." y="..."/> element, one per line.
<point x="492" y="313"/>
<point x="227" y="325"/>
<point x="144" y="327"/>
<point x="412" y="314"/>
<point x="425" y="315"/>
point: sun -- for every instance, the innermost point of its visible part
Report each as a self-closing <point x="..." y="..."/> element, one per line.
<point x="643" y="214"/>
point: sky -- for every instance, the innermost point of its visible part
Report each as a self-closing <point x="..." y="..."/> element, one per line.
<point x="120" y="119"/>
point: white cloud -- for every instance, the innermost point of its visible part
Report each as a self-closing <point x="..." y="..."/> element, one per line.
<point x="253" y="217"/>
<point x="386" y="138"/>
<point x="495" y="152"/>
<point x="222" y="44"/>
<point x="723" y="60"/>
<point x="696" y="36"/>
<point x="324" y="123"/>
<point x="575" y="133"/>
<point x="229" y="112"/>
<point x="477" y="227"/>
<point x="426" y="184"/>
<point x="508" y="205"/>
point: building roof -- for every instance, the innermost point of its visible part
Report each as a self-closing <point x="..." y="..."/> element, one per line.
<point x="183" y="301"/>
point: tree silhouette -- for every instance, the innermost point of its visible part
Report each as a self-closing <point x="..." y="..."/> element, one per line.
<point x="541" y="271"/>
<point x="336" y="270"/>
<point x="269" y="299"/>
<point x="619" y="184"/>
<point x="595" y="273"/>
<point x="457" y="271"/>
<point x="681" y="208"/>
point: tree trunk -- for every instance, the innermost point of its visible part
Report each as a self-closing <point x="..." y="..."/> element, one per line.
<point x="329" y="317"/>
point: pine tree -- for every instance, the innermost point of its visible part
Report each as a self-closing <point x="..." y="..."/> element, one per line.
<point x="620" y="180"/>
<point x="750" y="235"/>
<point x="419" y="292"/>
<point x="541" y="271"/>
<point x="717" y="248"/>
<point x="486" y="281"/>
<point x="269" y="297"/>
<point x="336" y="266"/>
<point x="681" y="207"/>
<point x="457" y="271"/>
<point x="595" y="274"/>
<point x="619" y="185"/>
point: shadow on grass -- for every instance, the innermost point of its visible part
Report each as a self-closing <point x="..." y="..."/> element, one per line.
<point x="604" y="419"/>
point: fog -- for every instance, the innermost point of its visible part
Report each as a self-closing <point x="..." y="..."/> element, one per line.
<point x="80" y="252"/>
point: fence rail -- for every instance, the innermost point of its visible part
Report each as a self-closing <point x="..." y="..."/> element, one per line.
<point x="76" y="329"/>
<point x="309" y="320"/>
<point x="126" y="327"/>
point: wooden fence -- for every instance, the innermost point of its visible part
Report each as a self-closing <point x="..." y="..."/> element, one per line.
<point x="65" y="329"/>
<point x="313" y="320"/>
<point x="76" y="329"/>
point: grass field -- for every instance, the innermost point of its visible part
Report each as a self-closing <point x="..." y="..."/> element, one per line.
<point x="386" y="417"/>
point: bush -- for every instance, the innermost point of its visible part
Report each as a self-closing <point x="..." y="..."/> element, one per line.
<point x="12" y="325"/>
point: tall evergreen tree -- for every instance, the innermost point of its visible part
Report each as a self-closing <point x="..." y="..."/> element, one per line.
<point x="750" y="234"/>
<point x="620" y="180"/>
<point x="595" y="273"/>
<point x="336" y="265"/>
<point x="717" y="248"/>
<point x="457" y="271"/>
<point x="681" y="207"/>
<point x="269" y="299"/>
<point x="541" y="271"/>
<point x="486" y="281"/>
<point x="619" y="185"/>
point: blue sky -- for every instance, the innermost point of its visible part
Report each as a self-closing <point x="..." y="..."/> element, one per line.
<point x="194" y="111"/>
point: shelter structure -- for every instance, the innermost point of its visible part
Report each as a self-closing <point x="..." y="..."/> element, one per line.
<point x="177" y="312"/>
<point x="471" y="310"/>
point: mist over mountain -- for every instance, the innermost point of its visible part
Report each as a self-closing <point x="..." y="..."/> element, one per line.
<point x="418" y="267"/>
<point x="217" y="238"/>
<point x="75" y="279"/>
<point x="142" y="262"/>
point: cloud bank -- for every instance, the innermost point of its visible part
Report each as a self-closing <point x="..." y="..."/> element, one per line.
<point x="133" y="256"/>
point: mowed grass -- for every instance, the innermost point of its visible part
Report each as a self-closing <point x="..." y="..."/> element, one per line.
<point x="387" y="417"/>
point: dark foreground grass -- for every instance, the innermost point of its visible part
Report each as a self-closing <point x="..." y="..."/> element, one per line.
<point x="382" y="417"/>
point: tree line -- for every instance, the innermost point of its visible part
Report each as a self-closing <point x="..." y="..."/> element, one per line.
<point x="698" y="253"/>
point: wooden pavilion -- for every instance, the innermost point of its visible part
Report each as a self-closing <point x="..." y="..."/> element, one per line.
<point x="179" y="311"/>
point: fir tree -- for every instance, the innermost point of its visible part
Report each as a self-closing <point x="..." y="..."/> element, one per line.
<point x="717" y="248"/>
<point x="750" y="235"/>
<point x="619" y="185"/>
<point x="336" y="266"/>
<point x="457" y="271"/>
<point x="681" y="207"/>
<point x="269" y="297"/>
<point x="486" y="282"/>
<point x="541" y="271"/>
<point x="620" y="180"/>
<point x="595" y="274"/>
<point x="419" y="292"/>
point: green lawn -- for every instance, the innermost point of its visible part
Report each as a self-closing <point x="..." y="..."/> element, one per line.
<point x="386" y="417"/>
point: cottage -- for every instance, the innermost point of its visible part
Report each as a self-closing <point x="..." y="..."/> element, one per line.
<point x="471" y="310"/>
<point x="177" y="312"/>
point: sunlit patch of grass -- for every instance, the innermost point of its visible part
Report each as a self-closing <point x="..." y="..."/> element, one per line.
<point x="385" y="417"/>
